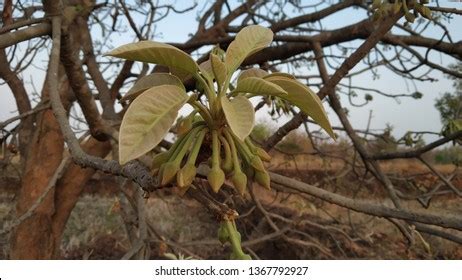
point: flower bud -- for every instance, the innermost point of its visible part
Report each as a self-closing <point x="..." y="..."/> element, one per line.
<point x="216" y="178"/>
<point x="239" y="181"/>
<point x="257" y="164"/>
<point x="263" y="178"/>
<point x="186" y="175"/>
<point x="263" y="154"/>
<point x="169" y="171"/>
<point x="184" y="125"/>
<point x="159" y="159"/>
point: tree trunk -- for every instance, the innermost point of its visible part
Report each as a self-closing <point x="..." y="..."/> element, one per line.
<point x="69" y="188"/>
<point x="32" y="238"/>
<point x="39" y="236"/>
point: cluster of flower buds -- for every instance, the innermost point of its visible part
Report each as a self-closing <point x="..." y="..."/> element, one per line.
<point x="231" y="158"/>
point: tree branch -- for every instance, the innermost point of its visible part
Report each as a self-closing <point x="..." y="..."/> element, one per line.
<point x="133" y="170"/>
<point x="13" y="38"/>
<point x="371" y="208"/>
<point x="346" y="66"/>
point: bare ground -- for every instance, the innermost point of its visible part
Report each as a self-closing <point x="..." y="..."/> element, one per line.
<point x="96" y="230"/>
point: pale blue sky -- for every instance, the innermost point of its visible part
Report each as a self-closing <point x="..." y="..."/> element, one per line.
<point x="409" y="114"/>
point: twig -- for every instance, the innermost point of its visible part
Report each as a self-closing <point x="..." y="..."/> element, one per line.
<point x="20" y="24"/>
<point x="133" y="170"/>
<point x="329" y="85"/>
<point x="442" y="178"/>
<point x="371" y="208"/>
<point x="24" y="115"/>
<point x="419" y="151"/>
<point x="13" y="38"/>
<point x="135" y="249"/>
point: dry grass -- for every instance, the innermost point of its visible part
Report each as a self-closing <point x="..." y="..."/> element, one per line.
<point x="303" y="161"/>
<point x="96" y="230"/>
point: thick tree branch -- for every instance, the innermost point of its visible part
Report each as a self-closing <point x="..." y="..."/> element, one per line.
<point x="17" y="88"/>
<point x="313" y="17"/>
<point x="372" y="208"/>
<point x="12" y="38"/>
<point x="296" y="45"/>
<point x="419" y="151"/>
<point x="93" y="69"/>
<point x="133" y="170"/>
<point x="346" y="66"/>
<point x="78" y="82"/>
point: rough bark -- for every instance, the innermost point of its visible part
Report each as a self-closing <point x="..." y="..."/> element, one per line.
<point x="69" y="188"/>
<point x="31" y="239"/>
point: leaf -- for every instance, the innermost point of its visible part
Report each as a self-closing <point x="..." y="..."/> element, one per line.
<point x="248" y="41"/>
<point x="280" y="74"/>
<point x="304" y="98"/>
<point x="206" y="70"/>
<point x="252" y="72"/>
<point x="158" y="53"/>
<point x="152" y="80"/>
<point x="184" y="76"/>
<point x="259" y="86"/>
<point x="219" y="69"/>
<point x="239" y="114"/>
<point x="148" y="119"/>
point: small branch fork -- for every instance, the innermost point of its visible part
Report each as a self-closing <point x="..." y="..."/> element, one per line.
<point x="133" y="170"/>
<point x="331" y="83"/>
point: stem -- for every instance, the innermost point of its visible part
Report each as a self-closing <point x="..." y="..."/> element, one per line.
<point x="203" y="111"/>
<point x="197" y="146"/>
<point x="180" y="144"/>
<point x="175" y="146"/>
<point x="235" y="241"/>
<point x="251" y="146"/>
<point x="215" y="149"/>
<point x="243" y="149"/>
<point x="236" y="165"/>
<point x="406" y="9"/>
<point x="209" y="92"/>
<point x="222" y="92"/>
<point x="187" y="143"/>
<point x="225" y="86"/>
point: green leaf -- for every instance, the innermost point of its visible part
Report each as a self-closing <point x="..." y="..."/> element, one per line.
<point x="152" y="80"/>
<point x="206" y="70"/>
<point x="252" y="72"/>
<point x="280" y="74"/>
<point x="158" y="53"/>
<point x="304" y="98"/>
<point x="248" y="41"/>
<point x="259" y="86"/>
<point x="148" y="119"/>
<point x="219" y="69"/>
<point x="239" y="114"/>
